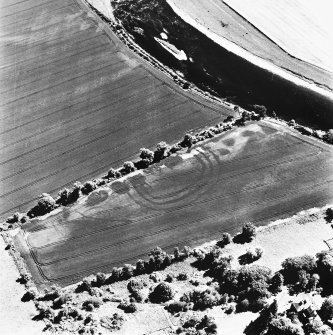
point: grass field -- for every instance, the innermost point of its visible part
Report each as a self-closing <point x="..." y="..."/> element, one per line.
<point x="222" y="20"/>
<point x="74" y="101"/>
<point x="307" y="28"/>
<point x="258" y="173"/>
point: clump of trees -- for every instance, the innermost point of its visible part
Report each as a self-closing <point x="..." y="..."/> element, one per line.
<point x="326" y="310"/>
<point x="127" y="168"/>
<point x="225" y="239"/>
<point x="61" y="300"/>
<point x="306" y="273"/>
<point x="128" y="307"/>
<point x="328" y="137"/>
<point x="194" y="325"/>
<point x="329" y="215"/>
<point x="134" y="285"/>
<point x="163" y="292"/>
<point x="187" y="141"/>
<point x="276" y="283"/>
<point x="261" y="110"/>
<point x="113" y="174"/>
<point x="249" y="284"/>
<point x="202" y="299"/>
<point x="31" y="294"/>
<point x="293" y="267"/>
<point x="161" y="152"/>
<point x="69" y="196"/>
<point x="249" y="232"/>
<point x="88" y="187"/>
<point x="45" y="205"/>
<point x="158" y="260"/>
<point x="101" y="279"/>
<point x="251" y="255"/>
<point x="112" y="323"/>
<point x="324" y="263"/>
<point x="91" y="303"/>
<point x="283" y="326"/>
<point x="147" y="158"/>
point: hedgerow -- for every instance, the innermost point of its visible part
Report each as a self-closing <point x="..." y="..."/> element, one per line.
<point x="46" y="203"/>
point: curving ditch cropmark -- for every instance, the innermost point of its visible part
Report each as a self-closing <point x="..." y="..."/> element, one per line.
<point x="269" y="200"/>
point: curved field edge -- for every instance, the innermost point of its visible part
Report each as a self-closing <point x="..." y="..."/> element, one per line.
<point x="223" y="20"/>
<point x="239" y="51"/>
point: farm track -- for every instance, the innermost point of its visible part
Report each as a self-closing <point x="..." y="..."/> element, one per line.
<point x="74" y="98"/>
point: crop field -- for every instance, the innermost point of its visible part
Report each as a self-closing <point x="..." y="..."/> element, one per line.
<point x="307" y="31"/>
<point x="260" y="172"/>
<point x="74" y="101"/>
<point x="267" y="28"/>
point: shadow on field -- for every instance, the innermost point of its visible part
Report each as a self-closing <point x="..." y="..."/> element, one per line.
<point x="240" y="239"/>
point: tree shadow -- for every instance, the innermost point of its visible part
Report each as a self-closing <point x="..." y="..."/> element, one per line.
<point x="37" y="317"/>
<point x="26" y="297"/>
<point x="245" y="259"/>
<point x="329" y="215"/>
<point x="21" y="281"/>
<point x="240" y="239"/>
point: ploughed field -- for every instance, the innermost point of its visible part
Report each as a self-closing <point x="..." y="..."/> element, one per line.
<point x="74" y="101"/>
<point x="258" y="173"/>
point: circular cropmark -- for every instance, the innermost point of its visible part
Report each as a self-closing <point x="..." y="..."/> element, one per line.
<point x="178" y="184"/>
<point x="97" y="197"/>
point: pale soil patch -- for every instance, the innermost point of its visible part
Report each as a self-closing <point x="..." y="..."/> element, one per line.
<point x="307" y="31"/>
<point x="233" y="324"/>
<point x="149" y="319"/>
<point x="104" y="6"/>
<point x="304" y="233"/>
<point x="15" y="316"/>
<point x="219" y="23"/>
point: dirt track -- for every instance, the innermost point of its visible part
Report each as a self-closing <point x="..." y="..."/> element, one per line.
<point x="74" y="101"/>
<point x="258" y="173"/>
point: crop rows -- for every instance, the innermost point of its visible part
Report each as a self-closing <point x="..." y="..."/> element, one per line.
<point x="301" y="23"/>
<point x="187" y="202"/>
<point x="74" y="101"/>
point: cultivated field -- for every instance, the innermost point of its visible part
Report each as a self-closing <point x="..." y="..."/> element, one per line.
<point x="300" y="33"/>
<point x="257" y="173"/>
<point x="302" y="28"/>
<point x="74" y="101"/>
